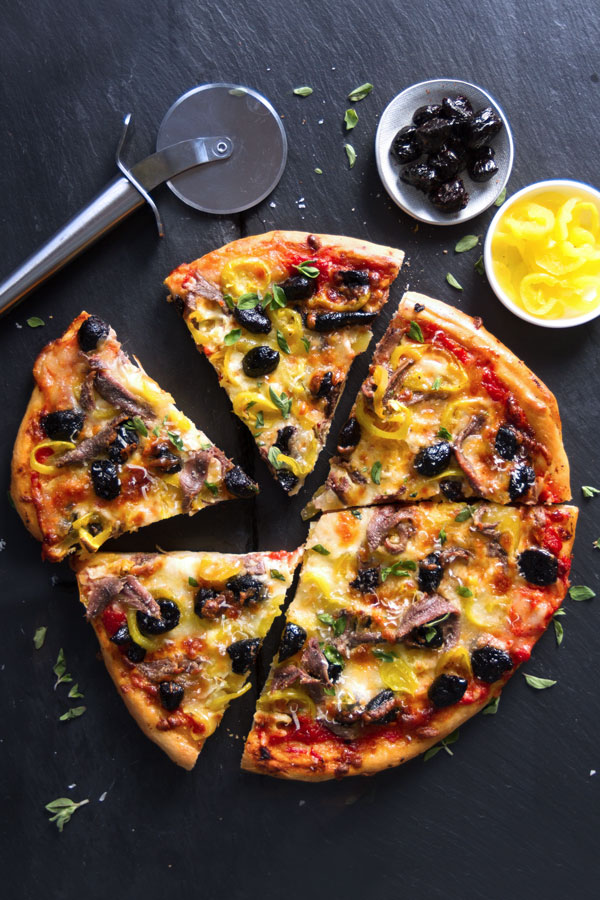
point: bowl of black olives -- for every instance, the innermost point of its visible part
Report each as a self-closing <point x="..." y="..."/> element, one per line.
<point x="444" y="151"/>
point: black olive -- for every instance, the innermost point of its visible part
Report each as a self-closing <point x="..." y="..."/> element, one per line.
<point x="178" y="304"/>
<point x="298" y="287"/>
<point x="246" y="588"/>
<point x="489" y="663"/>
<point x="354" y="277"/>
<point x="326" y="322"/>
<point x="255" y="320"/>
<point x="433" y="133"/>
<point x="62" y="425"/>
<point x="202" y="596"/>
<point x="450" y="196"/>
<point x="484" y="126"/>
<point x="377" y="702"/>
<point x="334" y="670"/>
<point x="481" y="166"/>
<point x="239" y="484"/>
<point x="430" y="636"/>
<point x="170" y="694"/>
<point x="286" y="479"/>
<point x="91" y="332"/>
<point x="538" y="566"/>
<point x="458" y="107"/>
<point x="284" y="436"/>
<point x="243" y="654"/>
<point x="366" y="580"/>
<point x="430" y="573"/>
<point x="452" y="490"/>
<point x="125" y="442"/>
<point x="121" y="635"/>
<point x="105" y="479"/>
<point x="420" y="175"/>
<point x="425" y="113"/>
<point x="405" y="147"/>
<point x="260" y="361"/>
<point x="506" y="443"/>
<point x="432" y="460"/>
<point x="167" y="621"/>
<point x="325" y="385"/>
<point x="445" y="162"/>
<point x="447" y="690"/>
<point x="349" y="435"/>
<point x="521" y="479"/>
<point x="165" y="460"/>
<point x="135" y="653"/>
<point x="293" y="639"/>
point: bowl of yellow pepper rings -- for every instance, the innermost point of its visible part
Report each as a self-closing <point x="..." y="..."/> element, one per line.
<point x="542" y="253"/>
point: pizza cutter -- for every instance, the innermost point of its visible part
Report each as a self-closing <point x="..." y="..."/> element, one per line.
<point x="221" y="148"/>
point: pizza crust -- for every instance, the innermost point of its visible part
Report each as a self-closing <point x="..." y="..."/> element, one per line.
<point x="20" y="487"/>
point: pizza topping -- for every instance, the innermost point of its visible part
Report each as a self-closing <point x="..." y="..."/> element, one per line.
<point x="254" y="320"/>
<point x="366" y="580"/>
<point x="506" y="443"/>
<point x="119" y="397"/>
<point x="259" y="361"/>
<point x="349" y="437"/>
<point x="489" y="663"/>
<point x="447" y="690"/>
<point x="522" y="478"/>
<point x="127" y="589"/>
<point x="167" y="620"/>
<point x="452" y="490"/>
<point x="391" y="525"/>
<point x="298" y="287"/>
<point x="538" y="566"/>
<point x="239" y="484"/>
<point x="163" y="460"/>
<point x="292" y="640"/>
<point x="242" y="654"/>
<point x="247" y="589"/>
<point x="170" y="694"/>
<point x="422" y="612"/>
<point x="125" y="443"/>
<point x="91" y="332"/>
<point x="179" y="664"/>
<point x="121" y="635"/>
<point x="105" y="479"/>
<point x="431" y="573"/>
<point x="433" y="460"/>
<point x="193" y="476"/>
<point x="332" y="321"/>
<point x="63" y="424"/>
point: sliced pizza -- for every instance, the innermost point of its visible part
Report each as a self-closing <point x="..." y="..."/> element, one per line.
<point x="446" y="412"/>
<point x="407" y="621"/>
<point x="179" y="633"/>
<point x="102" y="449"/>
<point x="281" y="316"/>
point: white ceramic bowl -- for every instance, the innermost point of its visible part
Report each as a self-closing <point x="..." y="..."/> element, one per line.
<point x="399" y="113"/>
<point x="569" y="187"/>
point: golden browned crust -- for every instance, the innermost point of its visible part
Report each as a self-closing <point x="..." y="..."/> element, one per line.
<point x="20" y="486"/>
<point x="537" y="402"/>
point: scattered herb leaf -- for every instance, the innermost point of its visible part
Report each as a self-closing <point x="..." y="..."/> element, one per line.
<point x="414" y="332"/>
<point x="282" y="343"/>
<point x="63" y="809"/>
<point x="175" y="439"/>
<point x="318" y="171"/>
<point x="443" y="745"/>
<point x="351" y="154"/>
<point x="333" y="656"/>
<point x="275" y="573"/>
<point x="279" y="298"/>
<point x="588" y="491"/>
<point x="444" y="433"/>
<point x="501" y="197"/>
<point x="72" y="713"/>
<point x="539" y="684"/>
<point x="436" y="384"/>
<point x="283" y="403"/>
<point x="319" y="548"/>
<point x="326" y="619"/>
<point x="192" y="582"/>
<point x="466" y="243"/>
<point x="383" y="655"/>
<point x="306" y="342"/>
<point x="464" y="514"/>
<point x="229" y="301"/>
<point x="232" y="336"/>
<point x="463" y="591"/>
<point x="340" y="626"/>
<point x="360" y="92"/>
<point x="330" y="691"/>
<point x="580" y="592"/>
<point x="212" y="487"/>
<point x="140" y="426"/>
<point x="60" y="669"/>
<point x="260" y="420"/>
<point x="75" y="693"/>
<point x="400" y="569"/>
<point x="308" y="270"/>
<point x="442" y="536"/>
<point x="248" y="301"/>
<point x="559" y="631"/>
<point x="237" y="92"/>
<point x="492" y="708"/>
<point x="376" y="472"/>
<point x="356" y="513"/>
<point x="453" y="282"/>
<point x="479" y="266"/>
<point x="39" y="637"/>
<point x="35" y="322"/>
<point x="350" y="119"/>
<point x="273" y="457"/>
<point x="596" y="544"/>
<point x="304" y="91"/>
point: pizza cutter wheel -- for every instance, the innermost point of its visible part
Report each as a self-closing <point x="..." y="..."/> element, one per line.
<point x="233" y="170"/>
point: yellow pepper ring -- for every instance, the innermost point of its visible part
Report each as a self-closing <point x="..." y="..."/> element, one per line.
<point x="406" y="351"/>
<point x="398" y="434"/>
<point x="47" y="468"/>
<point x="457" y="410"/>
<point x="398" y="676"/>
<point x="259" y="402"/>
<point x="136" y="635"/>
<point x="222" y="700"/>
<point x="245" y="275"/>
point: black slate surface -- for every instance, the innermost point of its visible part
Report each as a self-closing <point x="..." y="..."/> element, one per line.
<point x="514" y="813"/>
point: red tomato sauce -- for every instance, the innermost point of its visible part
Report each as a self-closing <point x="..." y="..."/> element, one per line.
<point x="113" y="618"/>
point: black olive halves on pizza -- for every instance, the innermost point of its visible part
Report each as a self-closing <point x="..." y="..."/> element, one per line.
<point x="281" y="316"/>
<point x="102" y="449"/>
<point x="446" y="412"/>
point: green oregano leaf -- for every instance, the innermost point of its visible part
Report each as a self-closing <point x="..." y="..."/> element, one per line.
<point x="139" y="426"/>
<point x="60" y="669"/>
<point x="72" y="713"/>
<point x="35" y="322"/>
<point x="414" y="332"/>
<point x="444" y="434"/>
<point x="282" y="343"/>
<point x="376" y="472"/>
<point x="307" y="269"/>
<point x="319" y="548"/>
<point x="232" y="336"/>
<point x="464" y="514"/>
<point x="192" y="582"/>
<point x="39" y="637"/>
<point x="453" y="282"/>
<point x="275" y="573"/>
<point x="63" y="809"/>
<point x="75" y="693"/>
<point x="540" y="684"/>
<point x="360" y="92"/>
<point x="492" y="708"/>
<point x="283" y="402"/>
<point x="248" y="301"/>
<point x="500" y="198"/>
<point x="580" y="592"/>
<point x="350" y="119"/>
<point x="479" y="266"/>
<point x="466" y="243"/>
<point x="304" y="91"/>
<point x="351" y="154"/>
<point x="588" y="491"/>
<point x="463" y="591"/>
<point x="383" y="655"/>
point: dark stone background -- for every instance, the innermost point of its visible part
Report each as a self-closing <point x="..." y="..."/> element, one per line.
<point x="514" y="813"/>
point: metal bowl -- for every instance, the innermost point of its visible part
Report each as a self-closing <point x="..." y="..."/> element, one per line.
<point x="399" y="113"/>
<point x="569" y="188"/>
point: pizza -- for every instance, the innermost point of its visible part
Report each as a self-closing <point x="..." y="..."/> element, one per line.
<point x="179" y="633"/>
<point x="446" y="412"/>
<point x="281" y="316"/>
<point x="407" y="621"/>
<point x="102" y="449"/>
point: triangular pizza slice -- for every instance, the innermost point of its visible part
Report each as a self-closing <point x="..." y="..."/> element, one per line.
<point x="446" y="412"/>
<point x="179" y="633"/>
<point x="407" y="621"/>
<point x="281" y="316"/>
<point x="102" y="449"/>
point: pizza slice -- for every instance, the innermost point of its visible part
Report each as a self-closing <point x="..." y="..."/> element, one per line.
<point x="179" y="633"/>
<point x="281" y="317"/>
<point x="446" y="412"/>
<point x="102" y="449"/>
<point x="407" y="621"/>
